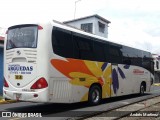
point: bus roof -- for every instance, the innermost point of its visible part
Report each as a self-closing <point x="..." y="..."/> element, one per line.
<point x="74" y="29"/>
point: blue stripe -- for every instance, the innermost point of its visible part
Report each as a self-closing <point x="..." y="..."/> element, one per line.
<point x="104" y="66"/>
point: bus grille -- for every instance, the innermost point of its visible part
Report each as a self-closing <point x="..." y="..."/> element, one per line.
<point x="61" y="89"/>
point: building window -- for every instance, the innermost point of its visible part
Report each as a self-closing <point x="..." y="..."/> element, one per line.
<point x="87" y="27"/>
<point x="101" y="27"/>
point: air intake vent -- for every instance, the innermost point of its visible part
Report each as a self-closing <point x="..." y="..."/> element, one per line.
<point x="9" y="55"/>
<point x="31" y="55"/>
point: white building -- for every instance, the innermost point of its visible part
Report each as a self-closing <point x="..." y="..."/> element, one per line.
<point x="94" y="24"/>
<point x="156" y="59"/>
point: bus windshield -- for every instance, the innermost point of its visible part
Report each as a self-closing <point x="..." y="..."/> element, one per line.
<point x="22" y="37"/>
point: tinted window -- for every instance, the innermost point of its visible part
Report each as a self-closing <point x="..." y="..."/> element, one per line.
<point x="115" y="53"/>
<point x="74" y="45"/>
<point x="106" y="52"/>
<point x="62" y="42"/>
<point x="22" y="37"/>
<point x="146" y="62"/>
<point x="157" y="64"/>
<point x="84" y="47"/>
<point x="152" y="66"/>
<point x="132" y="56"/>
<point x="99" y="51"/>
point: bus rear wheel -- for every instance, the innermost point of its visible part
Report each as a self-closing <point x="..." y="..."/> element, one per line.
<point x="95" y="95"/>
<point x="142" y="89"/>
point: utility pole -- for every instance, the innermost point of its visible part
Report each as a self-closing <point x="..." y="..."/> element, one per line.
<point x="75" y="8"/>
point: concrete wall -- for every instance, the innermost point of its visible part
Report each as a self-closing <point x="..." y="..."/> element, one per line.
<point x="105" y="34"/>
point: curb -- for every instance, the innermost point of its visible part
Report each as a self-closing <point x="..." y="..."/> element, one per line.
<point x="157" y="84"/>
<point x="3" y="101"/>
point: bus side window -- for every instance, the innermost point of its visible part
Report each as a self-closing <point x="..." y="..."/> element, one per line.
<point x="146" y="62"/>
<point x="62" y="43"/>
<point x="115" y="54"/>
<point x="152" y="65"/>
<point x="128" y="62"/>
<point x="84" y="46"/>
<point x="131" y="56"/>
<point x="157" y="64"/>
<point x="106" y="52"/>
<point x="99" y="51"/>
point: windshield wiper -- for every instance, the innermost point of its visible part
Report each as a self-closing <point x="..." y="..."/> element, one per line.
<point x="12" y="44"/>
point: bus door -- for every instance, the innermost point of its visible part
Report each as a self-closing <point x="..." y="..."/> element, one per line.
<point x="118" y="86"/>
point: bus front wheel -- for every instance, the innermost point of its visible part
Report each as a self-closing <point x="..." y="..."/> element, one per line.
<point x="95" y="95"/>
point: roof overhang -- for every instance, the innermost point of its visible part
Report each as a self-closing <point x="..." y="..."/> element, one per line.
<point x="1" y="38"/>
<point x="97" y="16"/>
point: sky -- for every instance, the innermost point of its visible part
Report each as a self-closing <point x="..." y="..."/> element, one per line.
<point x="133" y="22"/>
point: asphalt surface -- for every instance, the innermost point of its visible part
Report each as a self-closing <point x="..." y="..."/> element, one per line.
<point x="76" y="110"/>
<point x="145" y="114"/>
<point x="144" y="109"/>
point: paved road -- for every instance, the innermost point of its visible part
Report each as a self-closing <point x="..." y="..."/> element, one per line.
<point x="64" y="111"/>
<point x="142" y="113"/>
<point x="155" y="89"/>
<point x="143" y="110"/>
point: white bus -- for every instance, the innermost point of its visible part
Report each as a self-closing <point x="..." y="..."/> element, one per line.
<point x="52" y="62"/>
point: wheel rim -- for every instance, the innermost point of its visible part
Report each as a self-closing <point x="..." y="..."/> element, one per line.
<point x="95" y="96"/>
<point x="142" y="89"/>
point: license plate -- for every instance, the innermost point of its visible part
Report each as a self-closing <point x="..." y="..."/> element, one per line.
<point x="18" y="96"/>
<point x="18" y="77"/>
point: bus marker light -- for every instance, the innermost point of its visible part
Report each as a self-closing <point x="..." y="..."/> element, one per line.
<point x="35" y="95"/>
<point x="40" y="27"/>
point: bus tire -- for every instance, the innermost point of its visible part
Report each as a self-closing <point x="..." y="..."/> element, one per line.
<point x="95" y="95"/>
<point x="142" y="89"/>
